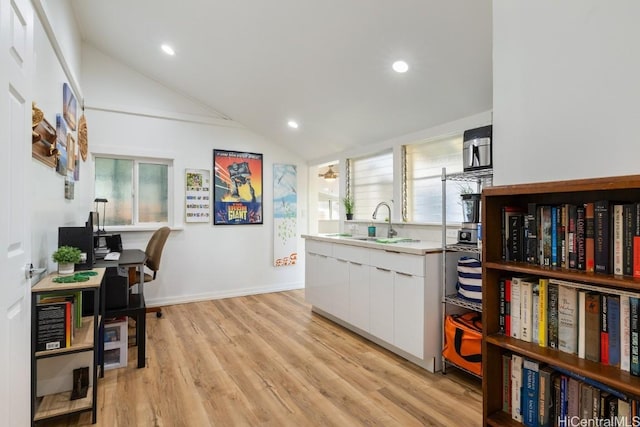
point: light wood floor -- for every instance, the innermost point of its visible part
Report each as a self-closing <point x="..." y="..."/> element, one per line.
<point x="266" y="360"/>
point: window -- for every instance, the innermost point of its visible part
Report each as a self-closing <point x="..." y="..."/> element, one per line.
<point x="371" y="182"/>
<point x="137" y="190"/>
<point x="424" y="163"/>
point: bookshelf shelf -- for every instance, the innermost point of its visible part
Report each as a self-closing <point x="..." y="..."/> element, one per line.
<point x="608" y="375"/>
<point x="625" y="189"/>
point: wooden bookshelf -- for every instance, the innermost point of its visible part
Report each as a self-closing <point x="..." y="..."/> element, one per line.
<point x="622" y="189"/>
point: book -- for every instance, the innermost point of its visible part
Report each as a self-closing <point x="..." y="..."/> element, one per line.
<point x="531" y="234"/>
<point x="515" y="308"/>
<point x="516" y="387"/>
<point x="506" y="231"/>
<point x="506" y="383"/>
<point x="604" y="329"/>
<point x="586" y="401"/>
<point x="628" y="229"/>
<point x="592" y="327"/>
<point x="501" y="305"/>
<point x="557" y="398"/>
<point x="554" y="235"/>
<point x="580" y="238"/>
<point x="545" y="398"/>
<point x="564" y="389"/>
<point x="572" y="248"/>
<point x="535" y="311"/>
<point x="602" y="230"/>
<point x="582" y="297"/>
<point x="552" y="315"/>
<point x="76" y="300"/>
<point x="515" y="238"/>
<point x="530" y="393"/>
<point x="543" y="285"/>
<point x="636" y="242"/>
<point x="545" y="234"/>
<point x="634" y="309"/>
<point x="617" y="222"/>
<point x="624" y="412"/>
<point x="590" y="235"/>
<point x="51" y="325"/>
<point x="567" y="319"/>
<point x="625" y="333"/>
<point x="573" y="398"/>
<point x="595" y="412"/>
<point x="613" y="321"/>
<point x="507" y="307"/>
<point x="526" y="310"/>
<point x="562" y="235"/>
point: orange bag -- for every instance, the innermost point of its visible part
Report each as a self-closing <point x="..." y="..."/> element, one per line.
<point x="463" y="341"/>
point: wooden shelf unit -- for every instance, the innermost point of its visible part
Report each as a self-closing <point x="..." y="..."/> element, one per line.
<point x="86" y="339"/>
<point x="624" y="189"/>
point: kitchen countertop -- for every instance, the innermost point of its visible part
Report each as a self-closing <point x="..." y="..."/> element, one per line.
<point x="410" y="246"/>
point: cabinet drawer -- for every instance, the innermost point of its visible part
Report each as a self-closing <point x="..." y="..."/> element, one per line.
<point x="320" y="248"/>
<point x="400" y="262"/>
<point x="351" y="253"/>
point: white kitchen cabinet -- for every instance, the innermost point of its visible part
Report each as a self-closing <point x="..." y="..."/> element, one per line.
<point x="408" y="313"/>
<point x="381" y="311"/>
<point x="359" y="296"/>
<point x="388" y="296"/>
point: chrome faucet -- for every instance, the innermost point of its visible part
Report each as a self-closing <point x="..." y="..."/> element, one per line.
<point x="391" y="232"/>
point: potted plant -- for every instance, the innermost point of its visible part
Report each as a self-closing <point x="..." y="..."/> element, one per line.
<point x="348" y="206"/>
<point x="66" y="257"/>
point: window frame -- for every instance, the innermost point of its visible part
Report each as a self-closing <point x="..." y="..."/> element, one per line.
<point x="136" y="225"/>
<point x="351" y="183"/>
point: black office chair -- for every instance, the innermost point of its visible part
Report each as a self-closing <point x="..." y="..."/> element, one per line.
<point x="154" y="253"/>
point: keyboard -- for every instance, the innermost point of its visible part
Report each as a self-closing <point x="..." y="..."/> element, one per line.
<point x="112" y="256"/>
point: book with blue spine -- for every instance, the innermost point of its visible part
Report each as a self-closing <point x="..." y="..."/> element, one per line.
<point x="530" y="393"/>
<point x="613" y="313"/>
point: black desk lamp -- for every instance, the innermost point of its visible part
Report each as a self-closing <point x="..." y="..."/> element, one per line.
<point x="104" y="207"/>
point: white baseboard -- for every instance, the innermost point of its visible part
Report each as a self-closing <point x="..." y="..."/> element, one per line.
<point x="182" y="299"/>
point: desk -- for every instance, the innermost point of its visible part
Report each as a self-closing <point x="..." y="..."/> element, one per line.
<point x="136" y="308"/>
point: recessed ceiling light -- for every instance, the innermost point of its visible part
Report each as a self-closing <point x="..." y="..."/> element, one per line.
<point x="168" y="49"/>
<point x="292" y="124"/>
<point x="400" y="67"/>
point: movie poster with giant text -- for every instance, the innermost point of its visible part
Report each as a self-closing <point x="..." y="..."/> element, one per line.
<point x="238" y="187"/>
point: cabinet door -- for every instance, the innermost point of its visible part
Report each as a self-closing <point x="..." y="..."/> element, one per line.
<point x="408" y="321"/>
<point x="381" y="313"/>
<point x="311" y="291"/>
<point x="359" y="295"/>
<point x="337" y="275"/>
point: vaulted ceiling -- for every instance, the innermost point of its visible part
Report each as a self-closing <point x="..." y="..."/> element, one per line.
<point x="324" y="63"/>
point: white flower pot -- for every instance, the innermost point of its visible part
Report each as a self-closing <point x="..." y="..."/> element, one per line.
<point x="65" y="269"/>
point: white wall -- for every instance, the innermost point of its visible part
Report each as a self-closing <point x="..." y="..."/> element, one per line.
<point x="566" y="89"/>
<point x="50" y="209"/>
<point x="200" y="261"/>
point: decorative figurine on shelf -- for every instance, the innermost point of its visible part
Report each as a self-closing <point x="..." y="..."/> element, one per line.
<point x="80" y="383"/>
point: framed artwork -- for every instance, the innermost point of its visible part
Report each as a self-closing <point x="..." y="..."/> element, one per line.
<point x="237" y="189"/>
<point x="197" y="201"/>
<point x="71" y="152"/>
<point x="61" y="132"/>
<point x="285" y="215"/>
<point x="69" y="106"/>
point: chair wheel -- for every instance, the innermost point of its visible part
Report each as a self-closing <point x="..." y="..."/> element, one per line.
<point x="159" y="314"/>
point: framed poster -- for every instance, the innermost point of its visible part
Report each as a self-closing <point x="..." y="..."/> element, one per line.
<point x="285" y="215"/>
<point x="237" y="188"/>
<point x="69" y="106"/>
<point x="197" y="201"/>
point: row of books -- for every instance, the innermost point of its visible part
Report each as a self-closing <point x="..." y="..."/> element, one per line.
<point x="572" y="317"/>
<point x="601" y="236"/>
<point x="539" y="395"/>
<point x="57" y="318"/>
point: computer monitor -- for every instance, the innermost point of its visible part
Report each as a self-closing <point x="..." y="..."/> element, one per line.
<point x="81" y="238"/>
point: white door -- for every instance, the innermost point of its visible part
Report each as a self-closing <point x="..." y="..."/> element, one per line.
<point x="16" y="67"/>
